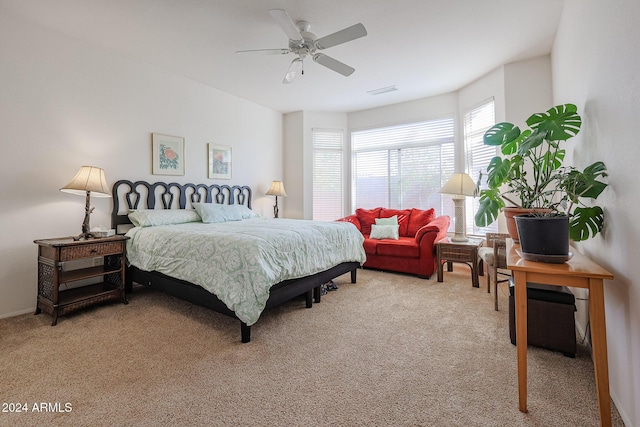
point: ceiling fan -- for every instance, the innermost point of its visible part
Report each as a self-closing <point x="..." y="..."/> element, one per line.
<point x="304" y="44"/>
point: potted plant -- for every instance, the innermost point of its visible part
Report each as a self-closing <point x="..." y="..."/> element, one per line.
<point x="529" y="174"/>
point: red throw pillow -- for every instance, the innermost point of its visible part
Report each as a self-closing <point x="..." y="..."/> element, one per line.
<point x="418" y="219"/>
<point x="403" y="219"/>
<point x="367" y="217"/>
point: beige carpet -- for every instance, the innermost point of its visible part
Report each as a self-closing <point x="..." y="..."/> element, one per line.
<point x="391" y="350"/>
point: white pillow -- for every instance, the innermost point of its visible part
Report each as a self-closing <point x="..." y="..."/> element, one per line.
<point x="384" y="232"/>
<point x="215" y="212"/>
<point x="245" y="212"/>
<point x="151" y="217"/>
<point x="393" y="220"/>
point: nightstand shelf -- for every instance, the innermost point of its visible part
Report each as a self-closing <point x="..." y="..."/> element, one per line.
<point x="90" y="293"/>
<point x="86" y="273"/>
<point x="53" y="254"/>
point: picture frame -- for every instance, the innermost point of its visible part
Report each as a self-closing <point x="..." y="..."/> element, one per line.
<point x="219" y="161"/>
<point x="167" y="154"/>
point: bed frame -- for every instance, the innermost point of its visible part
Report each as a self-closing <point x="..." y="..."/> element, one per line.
<point x="129" y="195"/>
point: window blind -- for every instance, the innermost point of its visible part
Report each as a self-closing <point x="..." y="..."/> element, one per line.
<point x="328" y="192"/>
<point x="403" y="166"/>
<point x="476" y="122"/>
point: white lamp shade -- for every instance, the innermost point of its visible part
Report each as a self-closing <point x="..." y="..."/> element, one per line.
<point x="88" y="178"/>
<point x="276" y="189"/>
<point x="460" y="184"/>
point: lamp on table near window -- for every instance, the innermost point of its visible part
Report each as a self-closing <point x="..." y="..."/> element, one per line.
<point x="276" y="189"/>
<point x="89" y="179"/>
<point x="460" y="185"/>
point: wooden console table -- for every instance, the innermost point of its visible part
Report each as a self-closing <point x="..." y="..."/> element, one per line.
<point x="579" y="272"/>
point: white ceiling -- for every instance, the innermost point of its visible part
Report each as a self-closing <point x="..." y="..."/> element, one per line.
<point x="423" y="47"/>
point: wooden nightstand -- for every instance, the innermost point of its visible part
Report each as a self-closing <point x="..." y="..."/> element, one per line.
<point x="52" y="256"/>
<point x="465" y="252"/>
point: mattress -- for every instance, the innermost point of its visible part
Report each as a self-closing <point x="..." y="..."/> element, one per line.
<point x="239" y="261"/>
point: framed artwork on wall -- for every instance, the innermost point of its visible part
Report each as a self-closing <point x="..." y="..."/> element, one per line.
<point x="219" y="161"/>
<point x="168" y="154"/>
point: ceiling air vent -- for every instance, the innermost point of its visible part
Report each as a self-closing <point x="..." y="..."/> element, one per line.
<point x="382" y="90"/>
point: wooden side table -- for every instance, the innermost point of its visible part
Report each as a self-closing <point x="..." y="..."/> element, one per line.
<point x="52" y="256"/>
<point x="464" y="252"/>
<point x="579" y="272"/>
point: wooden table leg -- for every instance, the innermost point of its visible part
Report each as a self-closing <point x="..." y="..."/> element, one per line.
<point x="475" y="281"/>
<point x="599" y="347"/>
<point x="520" y="278"/>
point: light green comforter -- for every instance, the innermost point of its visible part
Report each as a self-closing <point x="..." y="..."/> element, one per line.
<point x="239" y="261"/>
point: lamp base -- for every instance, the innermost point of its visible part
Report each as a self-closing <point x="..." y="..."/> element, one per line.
<point x="275" y="209"/>
<point x="85" y="224"/>
<point x="459" y="235"/>
<point x="84" y="236"/>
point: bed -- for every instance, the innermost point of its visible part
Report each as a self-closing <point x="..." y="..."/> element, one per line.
<point x="238" y="267"/>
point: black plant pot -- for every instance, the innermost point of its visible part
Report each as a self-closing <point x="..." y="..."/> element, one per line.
<point x="544" y="238"/>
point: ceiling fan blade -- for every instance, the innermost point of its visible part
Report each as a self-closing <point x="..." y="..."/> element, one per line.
<point x="266" y="51"/>
<point x="351" y="33"/>
<point x="333" y="64"/>
<point x="295" y="69"/>
<point x="283" y="19"/>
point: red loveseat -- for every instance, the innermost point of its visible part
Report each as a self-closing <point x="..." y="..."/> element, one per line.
<point x="414" y="251"/>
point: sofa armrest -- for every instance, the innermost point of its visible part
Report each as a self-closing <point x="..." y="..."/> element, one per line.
<point x="353" y="219"/>
<point x="436" y="229"/>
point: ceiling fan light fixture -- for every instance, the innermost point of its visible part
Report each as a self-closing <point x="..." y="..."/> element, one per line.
<point x="295" y="69"/>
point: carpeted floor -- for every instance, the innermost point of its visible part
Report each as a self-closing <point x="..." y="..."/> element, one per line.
<point x="390" y="350"/>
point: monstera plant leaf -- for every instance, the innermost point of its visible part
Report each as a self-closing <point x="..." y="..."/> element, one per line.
<point x="585" y="223"/>
<point x="535" y="140"/>
<point x="490" y="204"/>
<point x="585" y="184"/>
<point x="501" y="133"/>
<point x="558" y="123"/>
<point x="553" y="160"/>
<point x="498" y="171"/>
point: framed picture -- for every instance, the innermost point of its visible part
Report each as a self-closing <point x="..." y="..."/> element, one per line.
<point x="168" y="154"/>
<point x="219" y="161"/>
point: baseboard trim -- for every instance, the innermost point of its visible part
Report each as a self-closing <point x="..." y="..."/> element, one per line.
<point x="17" y="313"/>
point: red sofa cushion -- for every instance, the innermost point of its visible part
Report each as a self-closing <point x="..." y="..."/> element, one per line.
<point x="405" y="247"/>
<point x="367" y="217"/>
<point x="370" y="245"/>
<point x="403" y="219"/>
<point x="418" y="219"/>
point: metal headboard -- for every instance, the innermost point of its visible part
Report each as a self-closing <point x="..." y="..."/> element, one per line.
<point x="129" y="195"/>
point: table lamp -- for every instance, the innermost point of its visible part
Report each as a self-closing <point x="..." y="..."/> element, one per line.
<point x="88" y="179"/>
<point x="460" y="185"/>
<point x="276" y="189"/>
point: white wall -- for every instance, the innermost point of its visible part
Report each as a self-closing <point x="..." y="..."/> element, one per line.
<point x="596" y="66"/>
<point x="528" y="89"/>
<point x="404" y="112"/>
<point x="298" y="155"/>
<point x="64" y="104"/>
<point x="293" y="179"/>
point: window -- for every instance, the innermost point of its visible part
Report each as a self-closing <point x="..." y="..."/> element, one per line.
<point x="328" y="193"/>
<point x="476" y="122"/>
<point x="403" y="166"/>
